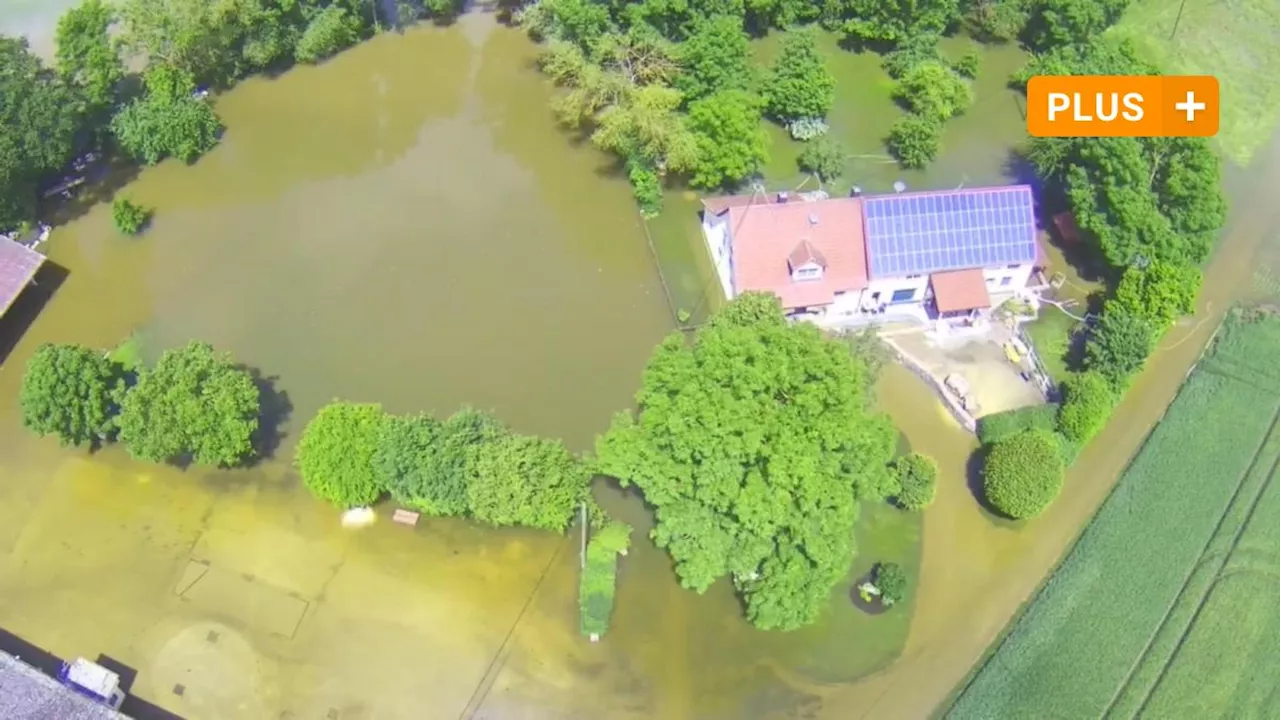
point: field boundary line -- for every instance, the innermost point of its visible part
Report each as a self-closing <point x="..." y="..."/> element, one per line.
<point x="1164" y="619"/>
<point x="1217" y="577"/>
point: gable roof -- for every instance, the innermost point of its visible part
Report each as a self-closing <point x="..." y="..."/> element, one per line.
<point x="18" y="265"/>
<point x="929" y="232"/>
<point x="806" y="254"/>
<point x="765" y="235"/>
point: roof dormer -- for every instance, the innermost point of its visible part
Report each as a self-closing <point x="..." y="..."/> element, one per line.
<point x="806" y="263"/>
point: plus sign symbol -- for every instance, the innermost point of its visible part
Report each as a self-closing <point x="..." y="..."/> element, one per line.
<point x="1190" y="105"/>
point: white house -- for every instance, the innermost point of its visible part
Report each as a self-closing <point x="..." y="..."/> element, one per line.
<point x="945" y="256"/>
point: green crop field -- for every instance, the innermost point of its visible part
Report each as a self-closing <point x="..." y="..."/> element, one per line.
<point x="1233" y="40"/>
<point x="1168" y="604"/>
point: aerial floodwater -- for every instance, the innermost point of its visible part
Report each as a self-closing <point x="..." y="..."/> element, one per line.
<point x="404" y="224"/>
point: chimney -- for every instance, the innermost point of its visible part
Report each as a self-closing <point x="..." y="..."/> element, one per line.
<point x="813" y="218"/>
<point x="783" y="197"/>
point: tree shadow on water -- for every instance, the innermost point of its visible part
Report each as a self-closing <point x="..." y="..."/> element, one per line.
<point x="276" y="409"/>
<point x="24" y="311"/>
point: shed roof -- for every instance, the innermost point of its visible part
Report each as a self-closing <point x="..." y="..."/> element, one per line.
<point x="960" y="290"/>
<point x="18" y="265"/>
<point x="28" y="694"/>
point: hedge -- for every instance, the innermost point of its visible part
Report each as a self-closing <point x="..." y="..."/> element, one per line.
<point x="1024" y="472"/>
<point x="998" y="426"/>
<point x="599" y="577"/>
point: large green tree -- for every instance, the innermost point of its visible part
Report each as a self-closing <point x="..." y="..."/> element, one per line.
<point x="38" y="125"/>
<point x="167" y="121"/>
<point x="731" y="142"/>
<point x="87" y="56"/>
<point x="1160" y="291"/>
<point x="753" y="442"/>
<point x="1119" y="344"/>
<point x="69" y="391"/>
<point x="717" y="57"/>
<point x="195" y="403"/>
<point x="1023" y="473"/>
<point x="933" y="90"/>
<point x="799" y="85"/>
<point x="336" y="453"/>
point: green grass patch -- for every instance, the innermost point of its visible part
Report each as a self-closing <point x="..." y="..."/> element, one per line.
<point x="1234" y="41"/>
<point x="1051" y="333"/>
<point x="599" y="580"/>
<point x="1100" y="632"/>
<point x="129" y="353"/>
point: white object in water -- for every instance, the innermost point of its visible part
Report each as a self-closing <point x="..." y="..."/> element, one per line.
<point x="98" y="680"/>
<point x="358" y="517"/>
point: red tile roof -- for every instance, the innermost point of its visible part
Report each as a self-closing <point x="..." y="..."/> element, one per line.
<point x="805" y="254"/>
<point x="766" y="233"/>
<point x="18" y="265"/>
<point x="960" y="290"/>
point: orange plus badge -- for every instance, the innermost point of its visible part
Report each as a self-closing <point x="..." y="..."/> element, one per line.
<point x="1122" y="106"/>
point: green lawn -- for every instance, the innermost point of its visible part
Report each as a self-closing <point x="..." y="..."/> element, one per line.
<point x="1051" y="334"/>
<point x="1238" y="41"/>
<point x="1166" y="605"/>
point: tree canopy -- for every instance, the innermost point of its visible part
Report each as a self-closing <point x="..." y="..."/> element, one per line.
<point x="195" y="404"/>
<point x="730" y="140"/>
<point x="917" y="480"/>
<point x="69" y="391"/>
<point x="168" y="121"/>
<point x="525" y="481"/>
<point x="716" y="57"/>
<point x="38" y="124"/>
<point x="799" y="85"/>
<point x="335" y="455"/>
<point x="86" y="55"/>
<point x="753" y="442"/>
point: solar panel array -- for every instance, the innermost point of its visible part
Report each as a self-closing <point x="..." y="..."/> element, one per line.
<point x="934" y="232"/>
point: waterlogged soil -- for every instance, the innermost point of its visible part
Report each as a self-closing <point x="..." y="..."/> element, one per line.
<point x="405" y="225"/>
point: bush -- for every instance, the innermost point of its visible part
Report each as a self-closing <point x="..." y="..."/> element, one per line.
<point x="914" y="141"/>
<point x="69" y="391"/>
<point x="1023" y="473"/>
<point x="336" y="453"/>
<point x="998" y="426"/>
<point x="968" y="64"/>
<point x="1119" y="345"/>
<point x="917" y="479"/>
<point x="1087" y="403"/>
<point x="799" y="85"/>
<point x="330" y="31"/>
<point x="911" y="52"/>
<point x="891" y="580"/>
<point x="646" y="187"/>
<point x="167" y="121"/>
<point x="129" y="217"/>
<point x="195" y="404"/>
<point x="932" y="90"/>
<point x="823" y="157"/>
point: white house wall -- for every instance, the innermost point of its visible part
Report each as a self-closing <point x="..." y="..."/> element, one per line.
<point x="1018" y="276"/>
<point x="888" y="286"/>
<point x="715" y="230"/>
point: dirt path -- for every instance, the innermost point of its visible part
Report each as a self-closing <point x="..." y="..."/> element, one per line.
<point x="959" y="614"/>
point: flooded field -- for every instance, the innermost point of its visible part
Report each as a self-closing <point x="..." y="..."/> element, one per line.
<point x="404" y="224"/>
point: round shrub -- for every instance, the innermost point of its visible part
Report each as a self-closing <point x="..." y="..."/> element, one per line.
<point x="336" y="453"/>
<point x="1087" y="403"/>
<point x="917" y="480"/>
<point x="1023" y="473"/>
<point x="891" y="580"/>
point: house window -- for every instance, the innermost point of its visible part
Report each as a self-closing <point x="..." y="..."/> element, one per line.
<point x="903" y="295"/>
<point x="912" y="277"/>
<point x="840" y="293"/>
<point x="1004" y="281"/>
<point x="1015" y="266"/>
<point x="807" y="273"/>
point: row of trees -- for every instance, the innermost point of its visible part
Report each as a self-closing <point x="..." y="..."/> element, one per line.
<point x="194" y="405"/>
<point x="87" y="100"/>
<point x="1151" y="210"/>
<point x="468" y="465"/>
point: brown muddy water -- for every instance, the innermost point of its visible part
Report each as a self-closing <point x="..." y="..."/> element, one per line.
<point x="406" y="225"/>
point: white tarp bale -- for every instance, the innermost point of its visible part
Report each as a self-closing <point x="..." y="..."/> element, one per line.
<point x="93" y="677"/>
